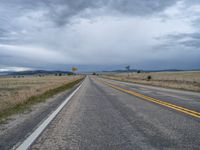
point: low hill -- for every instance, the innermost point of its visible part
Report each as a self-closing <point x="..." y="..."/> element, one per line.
<point x="36" y="72"/>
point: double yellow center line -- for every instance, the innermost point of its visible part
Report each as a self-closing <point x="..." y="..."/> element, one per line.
<point x="157" y="101"/>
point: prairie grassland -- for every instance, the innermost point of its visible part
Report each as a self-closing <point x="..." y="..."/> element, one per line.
<point x="16" y="91"/>
<point x="188" y="80"/>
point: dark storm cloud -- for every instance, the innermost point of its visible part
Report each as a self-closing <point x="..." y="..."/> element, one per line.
<point x="140" y="7"/>
<point x="60" y="11"/>
<point x="132" y="7"/>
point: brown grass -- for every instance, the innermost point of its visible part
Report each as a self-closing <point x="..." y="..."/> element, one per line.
<point x="16" y="91"/>
<point x="189" y="80"/>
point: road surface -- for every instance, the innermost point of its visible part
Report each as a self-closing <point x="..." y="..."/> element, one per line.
<point x="101" y="117"/>
<point x="105" y="114"/>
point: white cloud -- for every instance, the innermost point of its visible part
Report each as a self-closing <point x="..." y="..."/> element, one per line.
<point x="28" y="52"/>
<point x="16" y="69"/>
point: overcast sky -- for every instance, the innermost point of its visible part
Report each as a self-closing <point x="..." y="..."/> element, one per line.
<point x="99" y="34"/>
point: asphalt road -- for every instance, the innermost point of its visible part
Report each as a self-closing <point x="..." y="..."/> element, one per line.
<point x="99" y="117"/>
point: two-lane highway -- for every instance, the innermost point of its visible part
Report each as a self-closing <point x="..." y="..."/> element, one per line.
<point x="101" y="117"/>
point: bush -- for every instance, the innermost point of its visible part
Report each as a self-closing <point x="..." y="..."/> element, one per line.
<point x="149" y="78"/>
<point x="70" y="74"/>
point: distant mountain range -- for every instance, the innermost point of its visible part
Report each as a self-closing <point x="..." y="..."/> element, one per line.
<point x="34" y="72"/>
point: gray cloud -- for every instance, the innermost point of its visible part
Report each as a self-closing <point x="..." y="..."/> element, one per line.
<point x="23" y="17"/>
<point x="61" y="10"/>
<point x="184" y="39"/>
<point x="99" y="32"/>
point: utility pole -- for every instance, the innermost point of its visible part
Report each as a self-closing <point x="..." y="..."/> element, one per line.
<point x="128" y="69"/>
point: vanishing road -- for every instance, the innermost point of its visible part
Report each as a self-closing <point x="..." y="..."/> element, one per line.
<point x="105" y="114"/>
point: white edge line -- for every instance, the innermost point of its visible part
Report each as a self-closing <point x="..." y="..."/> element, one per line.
<point x="31" y="138"/>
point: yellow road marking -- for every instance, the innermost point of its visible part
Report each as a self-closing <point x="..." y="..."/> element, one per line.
<point x="154" y="100"/>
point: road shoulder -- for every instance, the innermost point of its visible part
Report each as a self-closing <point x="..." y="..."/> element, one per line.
<point x="18" y="126"/>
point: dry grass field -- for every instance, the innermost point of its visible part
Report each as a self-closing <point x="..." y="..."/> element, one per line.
<point x="16" y="91"/>
<point x="189" y="80"/>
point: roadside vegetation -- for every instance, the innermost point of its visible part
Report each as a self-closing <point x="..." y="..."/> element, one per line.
<point x="188" y="80"/>
<point x="17" y="94"/>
